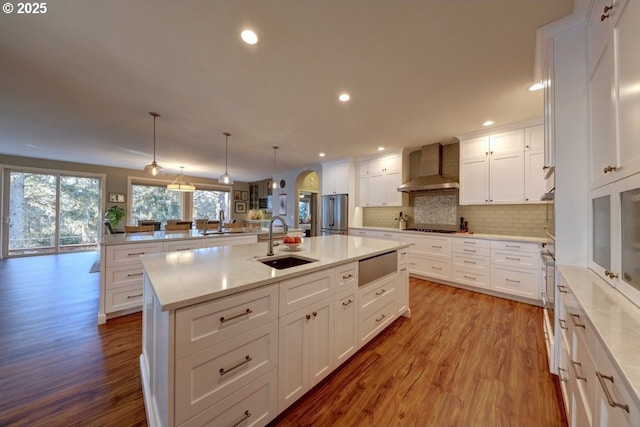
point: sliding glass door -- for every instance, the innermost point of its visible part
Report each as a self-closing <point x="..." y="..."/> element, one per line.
<point x="52" y="213"/>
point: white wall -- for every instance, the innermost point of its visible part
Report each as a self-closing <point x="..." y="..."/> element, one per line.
<point x="290" y="190"/>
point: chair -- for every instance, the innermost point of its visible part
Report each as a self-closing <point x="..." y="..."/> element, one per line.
<point x="108" y="228"/>
<point x="156" y="224"/>
<point x="177" y="227"/>
<point x="139" y="228"/>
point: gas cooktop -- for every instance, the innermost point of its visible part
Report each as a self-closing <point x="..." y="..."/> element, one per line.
<point x="432" y="230"/>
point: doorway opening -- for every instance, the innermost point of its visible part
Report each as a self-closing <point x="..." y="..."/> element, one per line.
<point x="307" y="212"/>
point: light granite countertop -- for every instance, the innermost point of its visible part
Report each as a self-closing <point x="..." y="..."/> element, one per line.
<point x="613" y="317"/>
<point x="461" y="235"/>
<point x="180" y="279"/>
<point x="163" y="236"/>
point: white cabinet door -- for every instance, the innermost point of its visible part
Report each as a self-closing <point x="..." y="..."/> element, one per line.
<point x="345" y="326"/>
<point x="364" y="190"/>
<point x="335" y="178"/>
<point x="321" y="340"/>
<point x="535" y="184"/>
<point x="474" y="181"/>
<point x="506" y="178"/>
<point x="534" y="137"/>
<point x="377" y="197"/>
<point x="392" y="197"/>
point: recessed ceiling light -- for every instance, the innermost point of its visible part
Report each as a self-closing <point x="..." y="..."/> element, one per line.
<point x="536" y="86"/>
<point x="380" y="148"/>
<point x="488" y="123"/>
<point x="344" y="97"/>
<point x="249" y="36"/>
<point x="321" y="154"/>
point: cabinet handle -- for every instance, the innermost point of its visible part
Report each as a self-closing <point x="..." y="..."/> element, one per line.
<point x="436" y="268"/>
<point x="513" y="246"/>
<point x="183" y="249"/>
<point x="612" y="403"/>
<point x="403" y="253"/>
<point x="610" y="274"/>
<point x="562" y="324"/>
<point x="246" y="360"/>
<point x="315" y="313"/>
<point x="609" y="168"/>
<point x="247" y="311"/>
<point x="381" y="317"/>
<point x="436" y="247"/>
<point x="246" y="415"/>
<point x="134" y="274"/>
<point x="308" y="316"/>
<point x="575" y="370"/>
<point x="381" y="292"/>
<point x="469" y="277"/>
<point x="469" y="262"/>
<point x="469" y="250"/>
<point x="512" y="259"/>
<point x="563" y="289"/>
<point x="403" y="269"/>
<point x="348" y="276"/>
<point x="605" y="15"/>
<point x="349" y="302"/>
<point x="412" y="263"/>
<point x="386" y="235"/>
<point x="135" y="253"/>
<point x="562" y="370"/>
<point x="133" y="296"/>
<point x="511" y="280"/>
<point x="577" y="325"/>
<point x="467" y="242"/>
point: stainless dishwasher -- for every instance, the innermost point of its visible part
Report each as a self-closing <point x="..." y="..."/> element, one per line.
<point x="375" y="267"/>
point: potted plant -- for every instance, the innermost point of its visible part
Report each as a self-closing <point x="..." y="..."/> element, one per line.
<point x="114" y="214"/>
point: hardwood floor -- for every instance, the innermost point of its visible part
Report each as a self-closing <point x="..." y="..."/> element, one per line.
<point x="463" y="359"/>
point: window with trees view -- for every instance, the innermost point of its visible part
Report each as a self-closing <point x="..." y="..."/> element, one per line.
<point x="208" y="203"/>
<point x="51" y="213"/>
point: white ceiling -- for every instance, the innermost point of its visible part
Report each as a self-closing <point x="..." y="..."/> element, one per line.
<point x="77" y="83"/>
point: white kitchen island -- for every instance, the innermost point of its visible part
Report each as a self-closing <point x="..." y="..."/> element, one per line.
<point x="228" y="340"/>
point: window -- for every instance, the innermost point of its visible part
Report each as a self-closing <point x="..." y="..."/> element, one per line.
<point x="208" y="203"/>
<point x="149" y="201"/>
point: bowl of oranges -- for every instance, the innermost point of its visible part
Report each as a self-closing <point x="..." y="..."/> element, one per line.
<point x="292" y="242"/>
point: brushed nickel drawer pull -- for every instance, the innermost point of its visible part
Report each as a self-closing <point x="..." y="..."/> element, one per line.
<point x="349" y="302"/>
<point x="348" y="276"/>
<point x="609" y="168"/>
<point x="436" y="268"/>
<point x="469" y="262"/>
<point x="612" y="403"/>
<point x="228" y="319"/>
<point x="563" y="289"/>
<point x="562" y="324"/>
<point x="577" y="325"/>
<point x="412" y="263"/>
<point x="246" y="415"/>
<point x="381" y="292"/>
<point x="562" y="370"/>
<point x="436" y="247"/>
<point x="469" y="250"/>
<point x="135" y="253"/>
<point x="134" y="274"/>
<point x="512" y="259"/>
<point x="469" y="242"/>
<point x="469" y="277"/>
<point x="133" y="296"/>
<point x="246" y="360"/>
<point x="513" y="246"/>
<point x="183" y="249"/>
<point x="512" y="281"/>
<point x="381" y="317"/>
<point x="403" y="269"/>
<point x="403" y="253"/>
<point x="575" y="370"/>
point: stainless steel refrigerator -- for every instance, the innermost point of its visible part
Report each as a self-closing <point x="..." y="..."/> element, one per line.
<point x="335" y="210"/>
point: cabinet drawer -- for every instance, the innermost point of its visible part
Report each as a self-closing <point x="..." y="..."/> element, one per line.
<point x="130" y="254"/>
<point x="212" y="322"/>
<point x="430" y="267"/>
<point x="515" y="246"/>
<point x="123" y="276"/>
<point x="515" y="281"/>
<point x="304" y="290"/>
<point x="470" y="243"/>
<point x="471" y="263"/>
<point x="123" y="298"/>
<point x="346" y="276"/>
<point x="470" y="250"/>
<point x="376" y="294"/>
<point x="480" y="279"/>
<point x="515" y="259"/>
<point x="583" y="369"/>
<point x="372" y="324"/>
<point x="183" y="245"/>
<point x="436" y="247"/>
<point x="208" y="376"/>
<point x="253" y="405"/>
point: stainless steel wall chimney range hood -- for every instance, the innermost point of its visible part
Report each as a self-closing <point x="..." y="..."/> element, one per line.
<point x="431" y="177"/>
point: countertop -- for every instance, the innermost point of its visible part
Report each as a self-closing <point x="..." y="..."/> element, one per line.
<point x="125" y="238"/>
<point x="613" y="317"/>
<point x="180" y="279"/>
<point x="461" y="235"/>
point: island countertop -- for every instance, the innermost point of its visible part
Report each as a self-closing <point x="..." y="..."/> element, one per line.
<point x="180" y="279"/>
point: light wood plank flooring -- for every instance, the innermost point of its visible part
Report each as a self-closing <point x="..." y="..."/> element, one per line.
<point x="463" y="359"/>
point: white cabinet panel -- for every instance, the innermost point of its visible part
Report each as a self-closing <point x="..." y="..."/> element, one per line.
<point x="345" y="325"/>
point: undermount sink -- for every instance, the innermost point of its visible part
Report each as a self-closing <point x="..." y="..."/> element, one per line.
<point x="286" y="262"/>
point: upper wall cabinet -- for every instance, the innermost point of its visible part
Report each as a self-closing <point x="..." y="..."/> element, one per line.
<point x="336" y="177"/>
<point x="614" y="101"/>
<point x="503" y="168"/>
<point x="378" y="181"/>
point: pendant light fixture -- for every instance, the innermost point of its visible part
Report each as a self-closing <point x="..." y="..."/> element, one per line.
<point x="181" y="184"/>
<point x="274" y="184"/>
<point x="225" y="178"/>
<point x="153" y="168"/>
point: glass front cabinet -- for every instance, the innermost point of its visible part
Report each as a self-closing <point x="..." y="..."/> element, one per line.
<point x="615" y="235"/>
